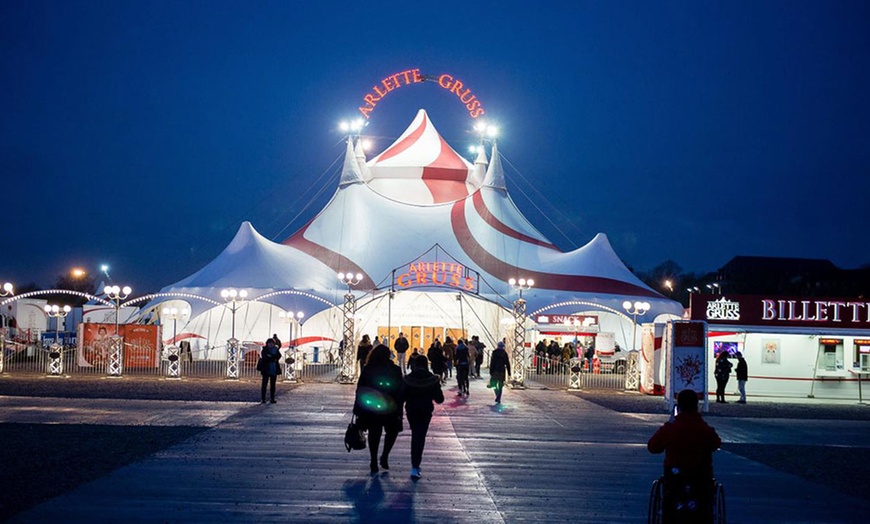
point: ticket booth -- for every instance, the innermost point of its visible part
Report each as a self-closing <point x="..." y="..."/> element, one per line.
<point x="831" y="353"/>
<point x="862" y="352"/>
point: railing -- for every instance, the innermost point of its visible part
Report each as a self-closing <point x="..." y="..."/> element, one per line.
<point x="574" y="374"/>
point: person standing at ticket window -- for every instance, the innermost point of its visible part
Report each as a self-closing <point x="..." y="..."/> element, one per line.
<point x="742" y="372"/>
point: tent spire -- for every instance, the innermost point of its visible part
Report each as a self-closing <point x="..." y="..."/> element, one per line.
<point x="360" y="154"/>
<point x="479" y="173"/>
<point x="350" y="173"/>
<point x="495" y="174"/>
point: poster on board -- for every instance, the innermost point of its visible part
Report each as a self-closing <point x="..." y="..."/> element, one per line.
<point x="686" y="359"/>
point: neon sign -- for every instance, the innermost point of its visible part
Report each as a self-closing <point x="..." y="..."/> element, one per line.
<point x="438" y="274"/>
<point x="413" y="76"/>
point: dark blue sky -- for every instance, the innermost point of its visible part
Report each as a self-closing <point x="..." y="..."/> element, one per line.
<point x="140" y="134"/>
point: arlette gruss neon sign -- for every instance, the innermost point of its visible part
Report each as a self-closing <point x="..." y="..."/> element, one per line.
<point x="413" y="76"/>
<point x="438" y="274"/>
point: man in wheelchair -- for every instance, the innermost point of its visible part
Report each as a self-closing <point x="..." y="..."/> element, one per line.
<point x="688" y="444"/>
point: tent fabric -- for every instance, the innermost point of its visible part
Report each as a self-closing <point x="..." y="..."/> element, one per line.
<point x="395" y="207"/>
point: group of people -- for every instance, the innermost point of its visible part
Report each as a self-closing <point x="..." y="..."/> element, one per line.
<point x="722" y="373"/>
<point x="385" y="388"/>
<point x="548" y="355"/>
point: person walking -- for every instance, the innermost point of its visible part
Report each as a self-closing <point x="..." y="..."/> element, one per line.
<point x="472" y="357"/>
<point x="269" y="369"/>
<point x="722" y="371"/>
<point x="422" y="389"/>
<point x="462" y="362"/>
<point x="742" y="373"/>
<point x="401" y="346"/>
<point x="449" y="350"/>
<point x="377" y="404"/>
<point x="436" y="358"/>
<point x="362" y="353"/>
<point x="499" y="370"/>
<point x="479" y="347"/>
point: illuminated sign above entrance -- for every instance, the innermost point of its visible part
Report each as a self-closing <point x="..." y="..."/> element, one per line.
<point x="811" y="312"/>
<point x="412" y="76"/>
<point x="436" y="274"/>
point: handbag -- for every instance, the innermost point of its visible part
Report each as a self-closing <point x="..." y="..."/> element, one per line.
<point x="260" y="364"/>
<point x="354" y="437"/>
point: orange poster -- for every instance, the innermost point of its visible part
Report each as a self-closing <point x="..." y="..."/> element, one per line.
<point x="140" y="345"/>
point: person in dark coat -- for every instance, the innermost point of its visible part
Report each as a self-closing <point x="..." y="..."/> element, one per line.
<point x="362" y="352"/>
<point x="462" y="361"/>
<point x="742" y="373"/>
<point x="499" y="370"/>
<point x="422" y="388"/>
<point x="449" y="350"/>
<point x="377" y="405"/>
<point x="436" y="357"/>
<point x="269" y="369"/>
<point x="401" y="346"/>
<point x="478" y="354"/>
<point x="722" y="371"/>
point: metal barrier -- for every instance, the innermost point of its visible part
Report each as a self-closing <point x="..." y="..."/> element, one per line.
<point x="574" y="374"/>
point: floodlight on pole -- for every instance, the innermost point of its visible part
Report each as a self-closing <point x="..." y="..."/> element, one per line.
<point x="635" y="309"/>
<point x="519" y="350"/>
<point x="347" y="372"/>
<point x="5" y="291"/>
<point x="55" y="355"/>
<point x="234" y="299"/>
<point x="116" y="354"/>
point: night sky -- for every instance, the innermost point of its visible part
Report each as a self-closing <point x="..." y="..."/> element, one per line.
<point x="141" y="134"/>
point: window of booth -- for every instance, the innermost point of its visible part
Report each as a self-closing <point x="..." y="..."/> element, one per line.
<point x="830" y="354"/>
<point x="862" y="354"/>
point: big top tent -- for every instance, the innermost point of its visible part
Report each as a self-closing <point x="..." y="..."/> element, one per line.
<point x="436" y="241"/>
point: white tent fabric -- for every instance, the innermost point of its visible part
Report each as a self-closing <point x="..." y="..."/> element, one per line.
<point x="390" y="210"/>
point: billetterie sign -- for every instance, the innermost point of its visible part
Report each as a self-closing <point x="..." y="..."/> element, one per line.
<point x="412" y="76"/>
<point x="813" y="312"/>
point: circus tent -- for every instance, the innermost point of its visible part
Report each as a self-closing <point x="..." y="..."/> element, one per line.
<point x="421" y="212"/>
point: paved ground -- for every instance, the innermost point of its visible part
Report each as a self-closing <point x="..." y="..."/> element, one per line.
<point x="547" y="456"/>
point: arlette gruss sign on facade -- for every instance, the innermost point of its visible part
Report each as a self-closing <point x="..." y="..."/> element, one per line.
<point x="436" y="274"/>
<point x="750" y="310"/>
<point x="413" y="76"/>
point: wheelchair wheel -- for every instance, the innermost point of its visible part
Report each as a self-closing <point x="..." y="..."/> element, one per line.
<point x="719" y="503"/>
<point x="654" y="510"/>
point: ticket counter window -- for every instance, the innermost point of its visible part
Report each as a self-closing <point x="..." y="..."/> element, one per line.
<point x="831" y="354"/>
<point x="862" y="354"/>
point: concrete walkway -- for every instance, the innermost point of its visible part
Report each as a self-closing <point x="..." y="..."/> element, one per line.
<point x="544" y="456"/>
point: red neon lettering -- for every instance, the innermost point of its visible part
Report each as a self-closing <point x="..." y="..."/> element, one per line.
<point x="365" y="111"/>
<point x="456" y="87"/>
<point x="449" y="81"/>
<point x="469" y="283"/>
<point x="464" y="101"/>
<point x="473" y="104"/>
<point x="402" y="280"/>
<point x="388" y="85"/>
<point x="421" y="278"/>
<point x="412" y="76"/>
<point x="454" y="280"/>
<point x="476" y="113"/>
<point x="378" y="91"/>
<point x="435" y="278"/>
<point x="417" y="77"/>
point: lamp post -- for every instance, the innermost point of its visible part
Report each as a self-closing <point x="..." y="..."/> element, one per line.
<point x="173" y="370"/>
<point x="714" y="288"/>
<point x="55" y="354"/>
<point x="635" y="309"/>
<point x="116" y="354"/>
<point x="290" y="356"/>
<point x="347" y="372"/>
<point x="6" y="291"/>
<point x="519" y="353"/>
<point x="234" y="298"/>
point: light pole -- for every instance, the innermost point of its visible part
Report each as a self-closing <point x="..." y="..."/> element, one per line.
<point x="173" y="370"/>
<point x="6" y="291"/>
<point x="519" y="352"/>
<point x="55" y="355"/>
<point x="234" y="298"/>
<point x="347" y="372"/>
<point x="635" y="309"/>
<point x="714" y="288"/>
<point x="290" y="357"/>
<point x="116" y="354"/>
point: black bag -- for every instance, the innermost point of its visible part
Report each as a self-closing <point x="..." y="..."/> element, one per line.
<point x="260" y="364"/>
<point x="279" y="368"/>
<point x="354" y="437"/>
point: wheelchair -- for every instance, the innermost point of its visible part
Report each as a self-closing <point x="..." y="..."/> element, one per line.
<point x="676" y="499"/>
